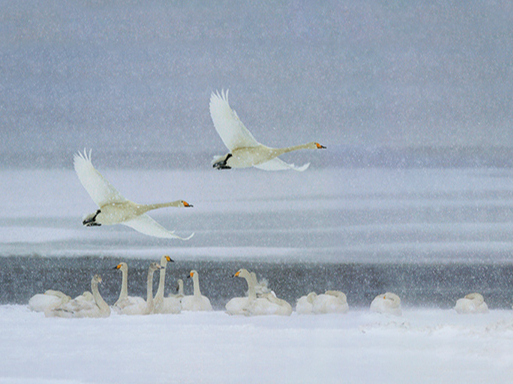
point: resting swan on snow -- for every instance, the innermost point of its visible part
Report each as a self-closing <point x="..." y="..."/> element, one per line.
<point x="329" y="302"/>
<point x="83" y="307"/>
<point x="114" y="208"/>
<point x="387" y="303"/>
<point x="196" y="302"/>
<point x="141" y="307"/>
<point x="48" y="300"/>
<point x="124" y="300"/>
<point x="165" y="304"/>
<point x="471" y="303"/>
<point x="245" y="151"/>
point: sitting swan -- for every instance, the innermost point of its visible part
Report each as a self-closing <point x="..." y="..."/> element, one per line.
<point x="387" y="303"/>
<point x="196" y="302"/>
<point x="245" y="151"/>
<point x="83" y="307"/>
<point x="48" y="300"/>
<point x="124" y="300"/>
<point x="471" y="303"/>
<point x="141" y="307"/>
<point x="329" y="302"/>
<point x="114" y="208"/>
<point x="239" y="305"/>
<point x="304" y="305"/>
<point x="269" y="304"/>
<point x="179" y="290"/>
<point x="165" y="304"/>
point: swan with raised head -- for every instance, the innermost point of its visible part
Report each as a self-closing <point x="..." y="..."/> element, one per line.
<point x="244" y="150"/>
<point x="239" y="305"/>
<point x="114" y="208"/>
<point x="48" y="300"/>
<point x="124" y="300"/>
<point x="141" y="307"/>
<point x="471" y="303"/>
<point x="388" y="303"/>
<point x="83" y="307"/>
<point x="196" y="302"/>
<point x="165" y="304"/>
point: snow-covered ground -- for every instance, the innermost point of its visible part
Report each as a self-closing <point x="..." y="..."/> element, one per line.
<point x="422" y="346"/>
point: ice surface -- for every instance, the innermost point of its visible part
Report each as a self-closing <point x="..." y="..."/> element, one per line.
<point x="323" y="215"/>
<point x="422" y="346"/>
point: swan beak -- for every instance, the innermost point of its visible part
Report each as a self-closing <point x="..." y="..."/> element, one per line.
<point x="187" y="205"/>
<point x="236" y="274"/>
<point x="190" y="275"/>
<point x="117" y="266"/>
<point x="319" y="146"/>
<point x="169" y="260"/>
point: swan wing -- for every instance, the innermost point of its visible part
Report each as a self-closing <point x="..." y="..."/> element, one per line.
<point x="101" y="191"/>
<point x="145" y="224"/>
<point x="228" y="125"/>
<point x="277" y="164"/>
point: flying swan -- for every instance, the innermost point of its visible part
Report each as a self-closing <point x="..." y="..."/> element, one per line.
<point x="245" y="151"/>
<point x="114" y="208"/>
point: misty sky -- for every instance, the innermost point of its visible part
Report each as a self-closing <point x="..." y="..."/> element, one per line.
<point x="137" y="75"/>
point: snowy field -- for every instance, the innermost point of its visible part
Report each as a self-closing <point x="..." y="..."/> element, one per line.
<point x="422" y="346"/>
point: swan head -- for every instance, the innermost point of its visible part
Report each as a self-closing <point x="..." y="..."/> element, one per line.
<point x="121" y="267"/>
<point x="164" y="260"/>
<point x="155" y="266"/>
<point x="319" y="146"/>
<point x="241" y="273"/>
<point x="477" y="297"/>
<point x="192" y="273"/>
<point x="90" y="220"/>
<point x="222" y="162"/>
<point x="97" y="278"/>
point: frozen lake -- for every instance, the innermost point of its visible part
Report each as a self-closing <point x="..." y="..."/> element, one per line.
<point x="431" y="235"/>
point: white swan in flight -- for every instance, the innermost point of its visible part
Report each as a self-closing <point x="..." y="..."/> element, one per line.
<point x="245" y="151"/>
<point x="388" y="303"/>
<point x="196" y="302"/>
<point x="83" y="307"/>
<point x="471" y="303"/>
<point x="114" y="208"/>
<point x="48" y="300"/>
<point x="165" y="304"/>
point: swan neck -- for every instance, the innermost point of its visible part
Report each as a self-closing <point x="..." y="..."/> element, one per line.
<point x="160" y="291"/>
<point x="180" y="288"/>
<point x="124" y="285"/>
<point x="150" y="207"/>
<point x="281" y="151"/>
<point x="149" y="290"/>
<point x="195" y="282"/>
<point x="251" y="288"/>
<point x="98" y="299"/>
